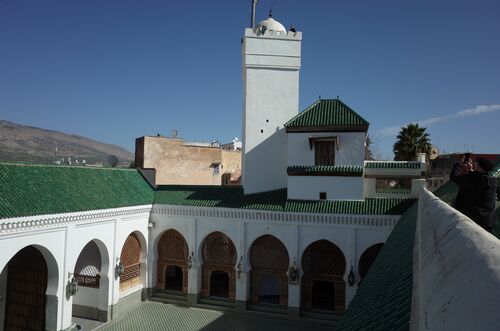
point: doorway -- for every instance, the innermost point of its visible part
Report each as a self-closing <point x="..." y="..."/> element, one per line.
<point x="173" y="278"/>
<point x="219" y="284"/>
<point x="269" y="290"/>
<point x="323" y="296"/>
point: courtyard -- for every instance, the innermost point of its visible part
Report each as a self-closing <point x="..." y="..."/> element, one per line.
<point x="153" y="316"/>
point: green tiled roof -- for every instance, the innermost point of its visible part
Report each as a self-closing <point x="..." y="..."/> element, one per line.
<point x="392" y="165"/>
<point x="27" y="190"/>
<point x="383" y="301"/>
<point x="233" y="197"/>
<point x="393" y="190"/>
<point x="325" y="170"/>
<point x="331" y="114"/>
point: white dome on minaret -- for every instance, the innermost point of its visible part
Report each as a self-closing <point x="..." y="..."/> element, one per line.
<point x="270" y="24"/>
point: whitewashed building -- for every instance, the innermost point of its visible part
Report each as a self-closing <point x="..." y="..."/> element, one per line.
<point x="295" y="240"/>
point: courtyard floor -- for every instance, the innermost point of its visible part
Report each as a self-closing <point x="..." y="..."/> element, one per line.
<point x="151" y="316"/>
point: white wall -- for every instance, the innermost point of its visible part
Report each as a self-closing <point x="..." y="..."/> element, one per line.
<point x="351" y="150"/>
<point x="351" y="233"/>
<point x="336" y="187"/>
<point x="61" y="238"/>
<point x="271" y="66"/>
<point x="456" y="277"/>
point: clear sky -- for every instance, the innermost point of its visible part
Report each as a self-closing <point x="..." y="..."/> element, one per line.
<point x="114" y="70"/>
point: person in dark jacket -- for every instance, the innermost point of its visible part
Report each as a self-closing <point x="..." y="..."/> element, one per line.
<point x="477" y="193"/>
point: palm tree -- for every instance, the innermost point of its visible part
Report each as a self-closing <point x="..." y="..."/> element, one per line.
<point x="411" y="141"/>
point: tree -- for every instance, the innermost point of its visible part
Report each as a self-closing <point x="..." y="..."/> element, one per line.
<point x="112" y="160"/>
<point x="368" y="149"/>
<point x="411" y="141"/>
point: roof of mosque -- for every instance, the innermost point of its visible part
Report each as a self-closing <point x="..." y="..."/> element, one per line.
<point x="383" y="300"/>
<point x="327" y="115"/>
<point x="234" y="197"/>
<point x="325" y="170"/>
<point x="393" y="164"/>
<point x="28" y="190"/>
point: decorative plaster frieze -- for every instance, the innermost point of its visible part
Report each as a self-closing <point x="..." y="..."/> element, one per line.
<point x="28" y="223"/>
<point x="260" y="215"/>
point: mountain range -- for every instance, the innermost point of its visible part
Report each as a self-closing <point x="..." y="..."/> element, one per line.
<point x="21" y="143"/>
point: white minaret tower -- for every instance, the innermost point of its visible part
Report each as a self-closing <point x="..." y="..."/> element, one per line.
<point x="271" y="64"/>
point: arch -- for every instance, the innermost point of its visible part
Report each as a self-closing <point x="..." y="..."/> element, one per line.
<point x="367" y="258"/>
<point x="31" y="290"/>
<point x="269" y="261"/>
<point x="131" y="256"/>
<point x="323" y="261"/>
<point x="91" y="271"/>
<point x="218" y="255"/>
<point x="173" y="253"/>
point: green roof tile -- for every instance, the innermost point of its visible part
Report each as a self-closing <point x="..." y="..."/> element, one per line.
<point x="329" y="114"/>
<point x="325" y="170"/>
<point x="233" y="197"/>
<point x="384" y="297"/>
<point x="392" y="165"/>
<point x="27" y="190"/>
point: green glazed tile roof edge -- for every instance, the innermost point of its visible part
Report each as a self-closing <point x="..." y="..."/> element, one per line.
<point x="325" y="170"/>
<point x="383" y="300"/>
<point x="234" y="197"/>
<point x="331" y="113"/>
<point x="28" y="190"/>
<point x="392" y="165"/>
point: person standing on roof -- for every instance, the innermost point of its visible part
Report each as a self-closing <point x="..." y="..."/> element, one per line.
<point x="478" y="190"/>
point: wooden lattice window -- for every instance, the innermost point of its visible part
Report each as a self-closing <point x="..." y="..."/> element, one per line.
<point x="173" y="246"/>
<point x="269" y="260"/>
<point x="323" y="257"/>
<point x="324" y="152"/>
<point x="219" y="249"/>
<point x="131" y="258"/>
<point x="269" y="253"/>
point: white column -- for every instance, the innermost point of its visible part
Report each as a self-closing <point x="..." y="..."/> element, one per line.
<point x="242" y="283"/>
<point x="351" y="261"/>
<point x="294" y="289"/>
<point x="194" y="274"/>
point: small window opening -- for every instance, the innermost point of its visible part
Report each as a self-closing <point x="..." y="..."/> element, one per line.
<point x="261" y="131"/>
<point x="322" y="195"/>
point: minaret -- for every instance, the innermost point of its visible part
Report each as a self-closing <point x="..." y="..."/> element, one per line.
<point x="271" y="64"/>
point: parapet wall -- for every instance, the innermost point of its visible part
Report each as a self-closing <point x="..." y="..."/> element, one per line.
<point x="456" y="273"/>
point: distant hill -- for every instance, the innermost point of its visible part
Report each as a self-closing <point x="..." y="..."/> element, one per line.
<point x="20" y="143"/>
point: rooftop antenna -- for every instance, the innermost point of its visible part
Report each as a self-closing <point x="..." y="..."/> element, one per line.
<point x="252" y="22"/>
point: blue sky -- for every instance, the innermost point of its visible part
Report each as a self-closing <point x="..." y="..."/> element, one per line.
<point x="115" y="70"/>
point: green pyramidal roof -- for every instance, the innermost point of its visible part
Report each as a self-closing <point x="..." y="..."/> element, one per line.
<point x="327" y="115"/>
<point x="27" y="190"/>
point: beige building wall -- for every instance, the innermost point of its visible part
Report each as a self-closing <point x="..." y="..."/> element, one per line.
<point x="177" y="162"/>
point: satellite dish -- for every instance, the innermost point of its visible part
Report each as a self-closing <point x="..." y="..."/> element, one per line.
<point x="174" y="133"/>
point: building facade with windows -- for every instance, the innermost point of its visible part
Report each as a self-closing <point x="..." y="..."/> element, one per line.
<point x="295" y="240"/>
